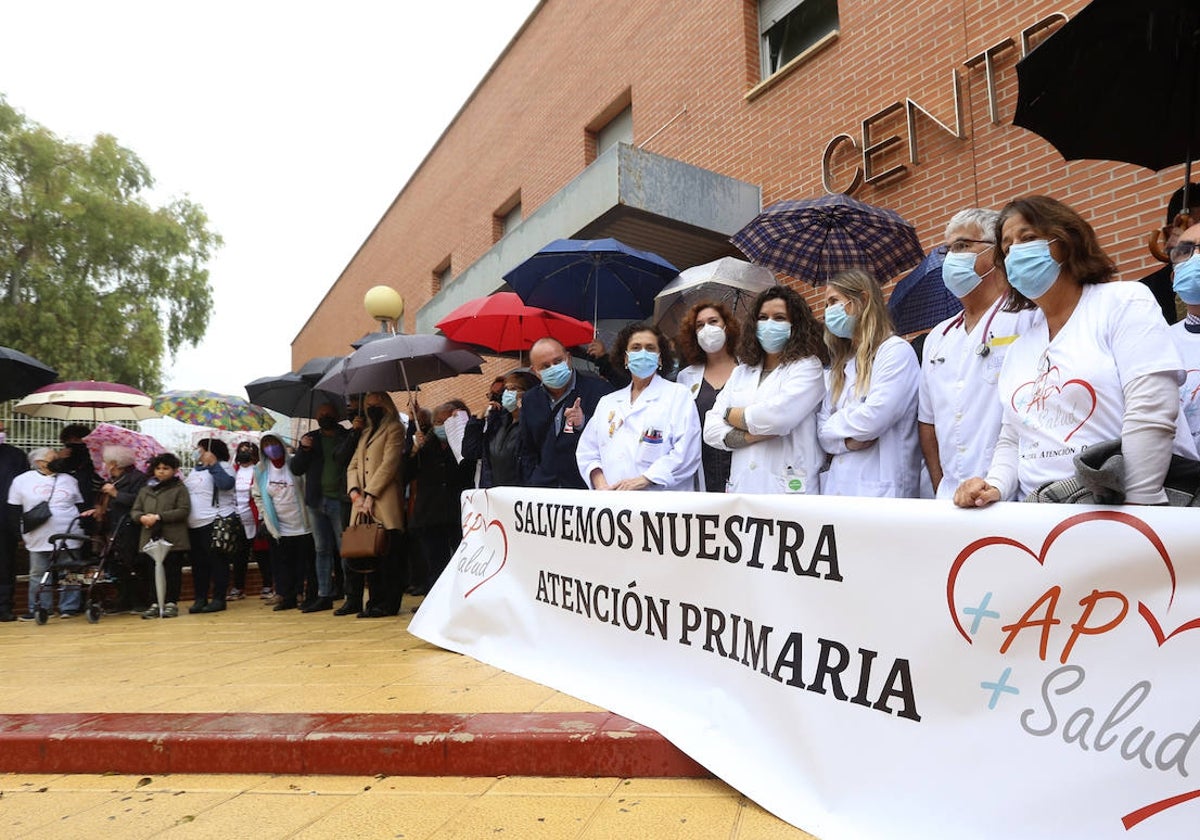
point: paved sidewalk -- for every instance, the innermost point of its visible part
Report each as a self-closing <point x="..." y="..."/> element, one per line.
<point x="427" y="743"/>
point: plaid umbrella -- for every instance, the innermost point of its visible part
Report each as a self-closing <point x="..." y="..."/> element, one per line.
<point x="921" y="299"/>
<point x="216" y="411"/>
<point x="815" y="238"/>
<point x="144" y="447"/>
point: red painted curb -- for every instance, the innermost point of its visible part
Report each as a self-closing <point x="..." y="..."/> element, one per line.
<point x="491" y="744"/>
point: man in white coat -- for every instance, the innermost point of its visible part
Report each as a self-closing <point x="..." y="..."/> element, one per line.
<point x="958" y="413"/>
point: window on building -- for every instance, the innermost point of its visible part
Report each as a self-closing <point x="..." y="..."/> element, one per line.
<point x="618" y="130"/>
<point x="787" y="28"/>
<point x="441" y="277"/>
<point x="506" y="218"/>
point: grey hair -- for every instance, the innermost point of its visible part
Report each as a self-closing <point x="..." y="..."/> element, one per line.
<point x="122" y="456"/>
<point x="979" y="217"/>
<point x="42" y="453"/>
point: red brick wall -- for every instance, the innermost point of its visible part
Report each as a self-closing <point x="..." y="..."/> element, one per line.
<point x="524" y="129"/>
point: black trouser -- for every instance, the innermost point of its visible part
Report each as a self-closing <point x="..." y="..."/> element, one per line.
<point x="437" y="545"/>
<point x="385" y="584"/>
<point x="146" y="592"/>
<point x="8" y="567"/>
<point x="290" y="556"/>
<point x="208" y="567"/>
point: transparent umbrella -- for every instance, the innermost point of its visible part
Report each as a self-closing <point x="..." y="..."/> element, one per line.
<point x="157" y="550"/>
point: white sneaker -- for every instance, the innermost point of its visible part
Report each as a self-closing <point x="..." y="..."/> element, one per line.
<point x="235" y="595"/>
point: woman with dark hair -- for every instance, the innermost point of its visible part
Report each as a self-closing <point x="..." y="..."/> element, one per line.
<point x="210" y="485"/>
<point x="868" y="421"/>
<point x="1098" y="365"/>
<point x="646" y="435"/>
<point x="767" y="413"/>
<point x="707" y="340"/>
<point x="494" y="438"/>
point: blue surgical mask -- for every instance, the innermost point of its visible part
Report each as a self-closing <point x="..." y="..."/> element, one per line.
<point x="439" y="432"/>
<point x="772" y="335"/>
<point x="1187" y="280"/>
<point x="509" y="400"/>
<point x="838" y="322"/>
<point x="642" y="363"/>
<point x="556" y="376"/>
<point x="958" y="273"/>
<point x="1031" y="268"/>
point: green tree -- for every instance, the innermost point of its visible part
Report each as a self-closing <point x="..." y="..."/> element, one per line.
<point x="94" y="281"/>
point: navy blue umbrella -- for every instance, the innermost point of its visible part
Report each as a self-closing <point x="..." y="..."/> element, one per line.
<point x="921" y="299"/>
<point x="590" y="279"/>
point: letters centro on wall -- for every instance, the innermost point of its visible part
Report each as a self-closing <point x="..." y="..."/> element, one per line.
<point x="870" y="147"/>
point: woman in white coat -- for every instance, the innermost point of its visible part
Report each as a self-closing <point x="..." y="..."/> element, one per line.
<point x="707" y="340"/>
<point x="767" y="413"/>
<point x="868" y="421"/>
<point x="646" y="435"/>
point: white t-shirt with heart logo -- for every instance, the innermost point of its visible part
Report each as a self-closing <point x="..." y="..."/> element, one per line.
<point x="1061" y="396"/>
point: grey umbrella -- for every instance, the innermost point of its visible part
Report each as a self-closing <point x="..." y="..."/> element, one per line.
<point x="400" y="363"/>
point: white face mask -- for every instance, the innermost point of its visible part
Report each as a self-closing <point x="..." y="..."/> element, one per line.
<point x="711" y="338"/>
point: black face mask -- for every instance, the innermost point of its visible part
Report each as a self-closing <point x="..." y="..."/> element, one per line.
<point x="245" y="456"/>
<point x="375" y="412"/>
<point x="327" y="423"/>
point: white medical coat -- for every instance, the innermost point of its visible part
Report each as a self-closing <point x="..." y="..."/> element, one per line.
<point x="657" y="436"/>
<point x="887" y="414"/>
<point x="784" y="404"/>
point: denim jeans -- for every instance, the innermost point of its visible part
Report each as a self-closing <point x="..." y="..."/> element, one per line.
<point x="327" y="537"/>
<point x="71" y="599"/>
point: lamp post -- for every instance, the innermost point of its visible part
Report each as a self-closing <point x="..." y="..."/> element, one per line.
<point x="385" y="305"/>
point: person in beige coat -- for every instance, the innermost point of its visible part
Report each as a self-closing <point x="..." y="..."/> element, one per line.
<point x="373" y="480"/>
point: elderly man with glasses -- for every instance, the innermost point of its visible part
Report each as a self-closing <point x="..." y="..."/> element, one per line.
<point x="958" y="414"/>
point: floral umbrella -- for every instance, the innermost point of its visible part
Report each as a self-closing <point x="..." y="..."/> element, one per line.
<point x="216" y="411"/>
<point x="144" y="447"/>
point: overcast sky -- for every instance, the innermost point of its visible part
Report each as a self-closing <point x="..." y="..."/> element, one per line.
<point x="293" y="124"/>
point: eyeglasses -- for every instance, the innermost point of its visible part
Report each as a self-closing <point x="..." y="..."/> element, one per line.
<point x="959" y="246"/>
<point x="1183" y="251"/>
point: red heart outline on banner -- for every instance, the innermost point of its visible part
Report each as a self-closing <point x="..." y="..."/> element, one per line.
<point x="478" y="524"/>
<point x="1040" y="556"/>
<point x="1058" y="389"/>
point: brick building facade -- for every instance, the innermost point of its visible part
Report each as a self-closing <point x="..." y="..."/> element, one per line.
<point x="871" y="108"/>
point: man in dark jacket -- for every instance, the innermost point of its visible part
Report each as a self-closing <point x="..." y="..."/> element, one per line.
<point x="13" y="462"/>
<point x="322" y="458"/>
<point x="74" y="459"/>
<point x="549" y="440"/>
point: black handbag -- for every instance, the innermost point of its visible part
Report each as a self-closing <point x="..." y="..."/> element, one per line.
<point x="39" y="514"/>
<point x="227" y="534"/>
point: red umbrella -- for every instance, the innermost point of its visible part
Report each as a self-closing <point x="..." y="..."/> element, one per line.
<point x="503" y="322"/>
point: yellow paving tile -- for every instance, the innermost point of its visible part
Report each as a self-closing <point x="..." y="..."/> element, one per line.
<point x="526" y="817"/>
<point x="22" y="813"/>
<point x="554" y="786"/>
<point x="666" y="817"/>
<point x="131" y="816"/>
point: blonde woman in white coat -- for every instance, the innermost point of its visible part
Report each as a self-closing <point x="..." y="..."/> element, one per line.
<point x="868" y="422"/>
<point x="645" y="436"/>
<point x="707" y="340"/>
<point x="767" y="413"/>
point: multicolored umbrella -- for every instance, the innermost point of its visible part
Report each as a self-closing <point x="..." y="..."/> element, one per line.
<point x="20" y="374"/>
<point x="144" y="447"/>
<point x="87" y="402"/>
<point x="815" y="238"/>
<point x="503" y="322"/>
<point x="216" y="411"/>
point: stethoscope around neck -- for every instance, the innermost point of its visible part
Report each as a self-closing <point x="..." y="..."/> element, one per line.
<point x="983" y="349"/>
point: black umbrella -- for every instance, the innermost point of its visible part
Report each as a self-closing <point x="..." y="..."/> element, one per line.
<point x="1118" y="82"/>
<point x="21" y="374"/>
<point x="318" y="366"/>
<point x="400" y="363"/>
<point x="291" y="395"/>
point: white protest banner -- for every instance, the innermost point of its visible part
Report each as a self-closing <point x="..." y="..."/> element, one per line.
<point x="862" y="668"/>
